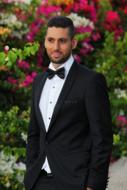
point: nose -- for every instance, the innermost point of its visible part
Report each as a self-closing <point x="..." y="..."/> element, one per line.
<point x="56" y="45"/>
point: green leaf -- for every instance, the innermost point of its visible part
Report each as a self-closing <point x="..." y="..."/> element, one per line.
<point x="2" y="58"/>
<point x="80" y="37"/>
<point x="12" y="56"/>
<point x="116" y="139"/>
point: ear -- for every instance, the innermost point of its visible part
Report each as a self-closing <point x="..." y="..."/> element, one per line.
<point x="74" y="43"/>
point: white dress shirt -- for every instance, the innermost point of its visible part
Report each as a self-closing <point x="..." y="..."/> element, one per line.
<point x="49" y="97"/>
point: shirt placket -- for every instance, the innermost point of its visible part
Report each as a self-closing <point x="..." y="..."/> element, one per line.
<point x="52" y="100"/>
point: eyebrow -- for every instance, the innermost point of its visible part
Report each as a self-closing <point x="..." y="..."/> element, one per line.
<point x="50" y="37"/>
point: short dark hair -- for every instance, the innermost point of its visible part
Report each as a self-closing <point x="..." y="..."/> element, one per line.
<point x="62" y="22"/>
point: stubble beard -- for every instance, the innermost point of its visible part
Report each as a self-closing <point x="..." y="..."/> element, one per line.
<point x="61" y="61"/>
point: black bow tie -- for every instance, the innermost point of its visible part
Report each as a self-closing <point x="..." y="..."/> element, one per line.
<point x="60" y="73"/>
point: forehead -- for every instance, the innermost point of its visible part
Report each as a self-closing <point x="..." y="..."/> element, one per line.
<point x="57" y="32"/>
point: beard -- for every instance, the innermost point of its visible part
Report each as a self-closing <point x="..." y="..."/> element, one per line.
<point x="61" y="60"/>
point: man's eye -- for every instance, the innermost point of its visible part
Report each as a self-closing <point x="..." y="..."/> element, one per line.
<point x="50" y="40"/>
<point x="63" y="41"/>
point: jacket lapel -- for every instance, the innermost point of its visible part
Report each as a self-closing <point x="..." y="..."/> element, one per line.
<point x="65" y="90"/>
<point x="39" y="89"/>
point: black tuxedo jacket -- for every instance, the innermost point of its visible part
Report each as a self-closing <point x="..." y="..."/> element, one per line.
<point x="79" y="140"/>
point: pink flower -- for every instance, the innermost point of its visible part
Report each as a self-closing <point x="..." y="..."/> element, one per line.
<point x="6" y="48"/>
<point x="92" y="12"/>
<point x="28" y="80"/>
<point x="86" y="48"/>
<point x="112" y="20"/>
<point x="20" y="14"/>
<point x="30" y="37"/>
<point x="68" y="8"/>
<point x="112" y="16"/>
<point x="12" y="80"/>
<point x="77" y="58"/>
<point x="83" y="29"/>
<point x="34" y="29"/>
<point x="112" y="23"/>
<point x="40" y="57"/>
<point x="87" y="9"/>
<point x="36" y="25"/>
<point x="118" y="32"/>
<point x="121" y="120"/>
<point x="96" y="36"/>
<point x="125" y="10"/>
<point x="23" y="64"/>
<point x="33" y="74"/>
<point x="46" y="9"/>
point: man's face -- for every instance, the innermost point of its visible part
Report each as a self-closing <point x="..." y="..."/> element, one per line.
<point x="59" y="44"/>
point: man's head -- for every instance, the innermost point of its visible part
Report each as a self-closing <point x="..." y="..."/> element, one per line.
<point x="59" y="39"/>
<point x="62" y="22"/>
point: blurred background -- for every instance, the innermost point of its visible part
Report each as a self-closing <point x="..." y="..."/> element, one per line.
<point x="101" y="31"/>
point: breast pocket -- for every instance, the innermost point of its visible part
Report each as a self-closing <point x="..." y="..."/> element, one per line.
<point x="71" y="101"/>
<point x="72" y="108"/>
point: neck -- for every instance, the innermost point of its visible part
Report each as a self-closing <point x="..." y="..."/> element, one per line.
<point x="56" y="66"/>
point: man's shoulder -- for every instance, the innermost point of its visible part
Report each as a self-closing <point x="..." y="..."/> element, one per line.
<point x="86" y="71"/>
<point x="89" y="75"/>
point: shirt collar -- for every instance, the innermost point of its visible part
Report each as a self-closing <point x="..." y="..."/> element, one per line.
<point x="67" y="65"/>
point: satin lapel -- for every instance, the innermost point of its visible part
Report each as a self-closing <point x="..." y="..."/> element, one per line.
<point x="65" y="90"/>
<point x="38" y="92"/>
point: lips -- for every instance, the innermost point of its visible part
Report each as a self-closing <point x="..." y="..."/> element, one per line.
<point x="56" y="54"/>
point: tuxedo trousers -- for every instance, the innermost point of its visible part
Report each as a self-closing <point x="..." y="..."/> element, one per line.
<point x="44" y="183"/>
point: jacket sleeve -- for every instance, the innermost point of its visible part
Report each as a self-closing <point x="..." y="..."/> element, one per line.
<point x="32" y="147"/>
<point x="99" y="117"/>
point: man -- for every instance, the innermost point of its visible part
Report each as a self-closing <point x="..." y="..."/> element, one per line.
<point x="69" y="136"/>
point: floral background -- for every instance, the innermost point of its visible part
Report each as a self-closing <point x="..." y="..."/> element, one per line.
<point x="101" y="27"/>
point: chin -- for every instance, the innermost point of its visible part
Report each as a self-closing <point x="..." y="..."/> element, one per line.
<point x="57" y="61"/>
<point x="60" y="61"/>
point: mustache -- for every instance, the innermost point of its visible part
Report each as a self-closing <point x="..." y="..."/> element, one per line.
<point x="56" y="51"/>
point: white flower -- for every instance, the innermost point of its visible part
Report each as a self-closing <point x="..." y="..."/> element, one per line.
<point x="6" y="48"/>
<point x="8" y="184"/>
<point x="20" y="177"/>
<point x="19" y="166"/>
<point x="121" y="112"/>
<point x="80" y="21"/>
<point x="10" y="20"/>
<point x="19" y="1"/>
<point x="8" y="167"/>
<point x="120" y="93"/>
<point x="6" y="163"/>
<point x="22" y="1"/>
<point x="24" y="136"/>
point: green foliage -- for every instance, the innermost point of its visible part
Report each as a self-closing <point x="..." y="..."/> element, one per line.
<point x="2" y="58"/>
<point x="120" y="144"/>
<point x="80" y="37"/>
<point x="13" y="127"/>
<point x="9" y="59"/>
<point x="116" y="139"/>
<point x="112" y="59"/>
<point x="105" y="5"/>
